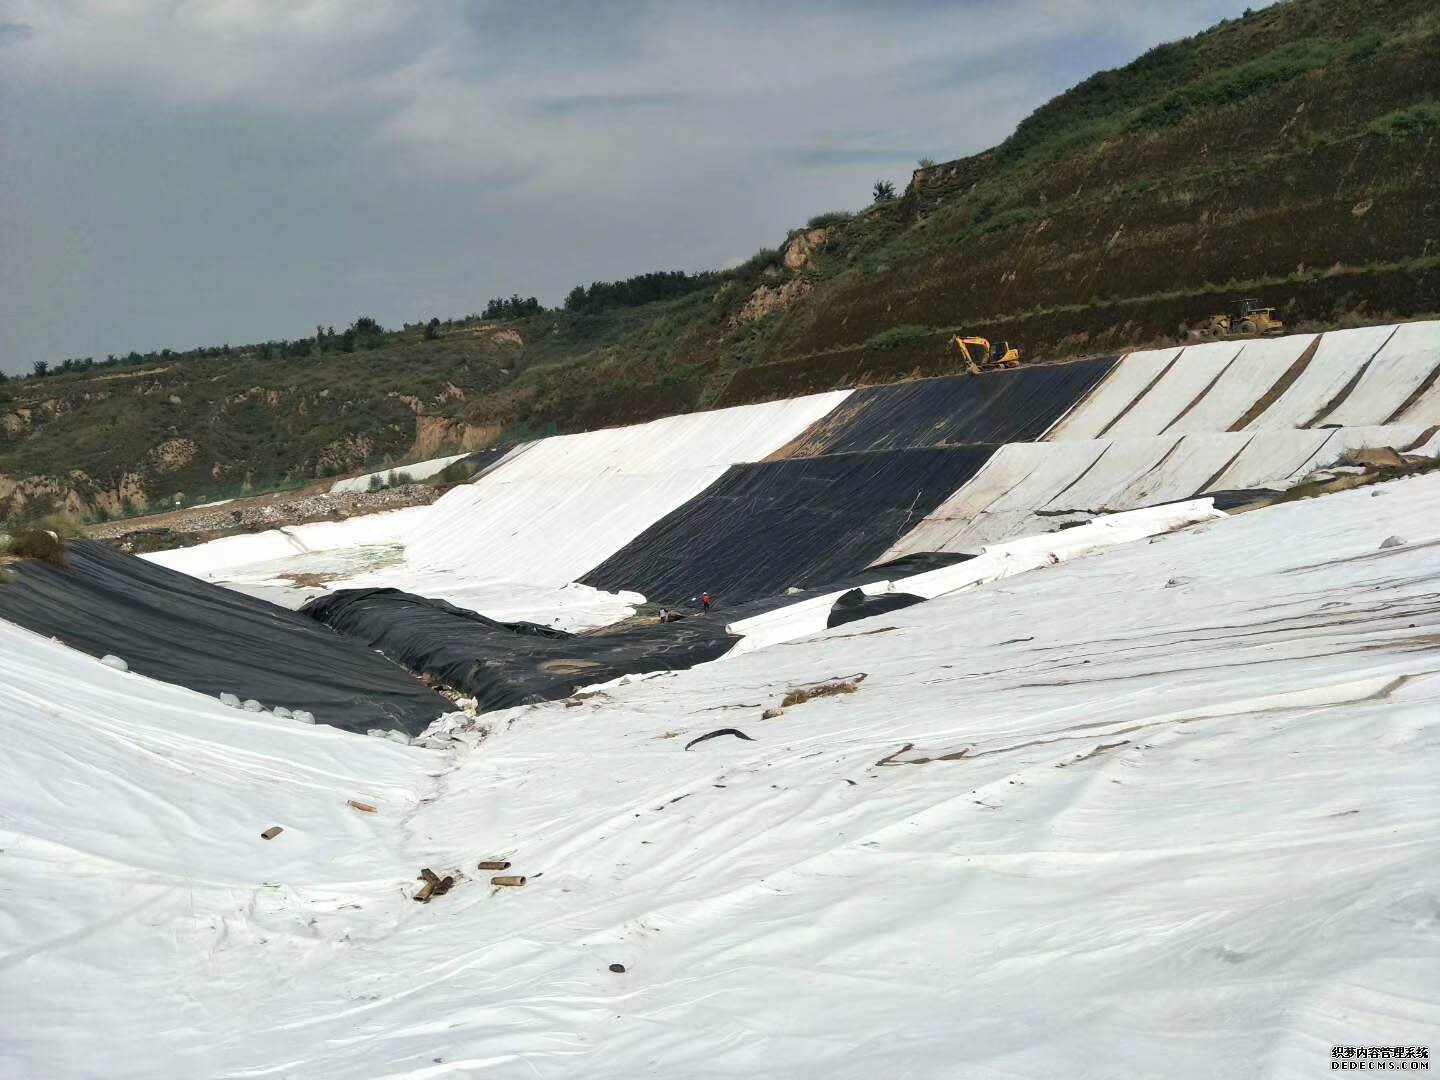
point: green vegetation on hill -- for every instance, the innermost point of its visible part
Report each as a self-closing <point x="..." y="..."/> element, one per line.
<point x="1289" y="154"/>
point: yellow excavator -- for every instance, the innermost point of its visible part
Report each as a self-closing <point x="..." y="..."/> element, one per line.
<point x="979" y="355"/>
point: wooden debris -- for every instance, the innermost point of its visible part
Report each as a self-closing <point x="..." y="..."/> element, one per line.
<point x="513" y="880"/>
<point x="495" y="864"/>
<point x="716" y="734"/>
<point x="272" y="832"/>
<point x="801" y="694"/>
<point x="889" y="759"/>
<point x="434" y="885"/>
<point x="363" y="807"/>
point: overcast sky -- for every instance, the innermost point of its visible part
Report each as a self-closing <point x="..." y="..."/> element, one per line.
<point x="183" y="172"/>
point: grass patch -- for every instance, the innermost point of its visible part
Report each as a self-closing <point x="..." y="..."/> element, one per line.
<point x="1005" y="219"/>
<point x="1402" y="123"/>
<point x="1232" y="84"/>
<point x="896" y="336"/>
<point x="830" y="217"/>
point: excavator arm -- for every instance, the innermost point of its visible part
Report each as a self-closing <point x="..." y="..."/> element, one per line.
<point x="978" y="353"/>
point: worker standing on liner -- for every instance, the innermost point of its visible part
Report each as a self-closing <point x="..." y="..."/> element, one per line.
<point x="705" y="601"/>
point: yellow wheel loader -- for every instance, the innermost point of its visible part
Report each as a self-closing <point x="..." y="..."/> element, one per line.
<point x="979" y="355"/>
<point x="1243" y="318"/>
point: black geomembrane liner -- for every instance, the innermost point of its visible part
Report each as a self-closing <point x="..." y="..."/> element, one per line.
<point x="503" y="664"/>
<point x="797" y="523"/>
<point x="179" y="629"/>
<point x="997" y="407"/>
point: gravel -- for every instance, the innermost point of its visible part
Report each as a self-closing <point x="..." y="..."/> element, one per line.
<point x="183" y="528"/>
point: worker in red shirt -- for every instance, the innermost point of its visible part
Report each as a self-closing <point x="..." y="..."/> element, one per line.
<point x="705" y="601"/>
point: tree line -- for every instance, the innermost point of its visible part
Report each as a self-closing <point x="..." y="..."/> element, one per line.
<point x="634" y="291"/>
<point x="366" y="333"/>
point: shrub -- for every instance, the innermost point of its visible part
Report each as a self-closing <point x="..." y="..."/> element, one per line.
<point x="457" y="472"/>
<point x="1419" y="117"/>
<point x="1365" y="44"/>
<point x="758" y="263"/>
<point x="61" y="525"/>
<point x="376" y="482"/>
<point x="882" y="191"/>
<point x="830" y="217"/>
<point x="897" y="335"/>
<point x="41" y="544"/>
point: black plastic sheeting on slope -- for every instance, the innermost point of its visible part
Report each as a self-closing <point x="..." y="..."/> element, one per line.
<point x="772" y="525"/>
<point x="1226" y="499"/>
<point x="504" y="664"/>
<point x="855" y="605"/>
<point x="996" y="407"/>
<point x="178" y="629"/>
<point x="482" y="461"/>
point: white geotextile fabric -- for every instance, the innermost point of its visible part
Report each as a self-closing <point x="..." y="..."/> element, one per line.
<point x="1356" y="377"/>
<point x="1032" y="488"/>
<point x="420" y="470"/>
<point x="995" y="561"/>
<point x="1406" y="361"/>
<point x="1258" y="365"/>
<point x="511" y="543"/>
<point x="1178" y="820"/>
<point x="1128" y="381"/>
<point x="215" y="560"/>
<point x="1339" y="357"/>
<point x="1157" y="413"/>
<point x="573" y="500"/>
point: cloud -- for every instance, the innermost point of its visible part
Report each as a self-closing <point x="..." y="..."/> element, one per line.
<point x="11" y="32"/>
<point x="606" y="103"/>
<point x="200" y="170"/>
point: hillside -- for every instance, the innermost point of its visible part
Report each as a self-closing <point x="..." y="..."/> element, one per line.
<point x="1287" y="155"/>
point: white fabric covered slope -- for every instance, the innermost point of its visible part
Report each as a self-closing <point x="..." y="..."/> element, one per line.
<point x="1176" y="423"/>
<point x="420" y="470"/>
<point x="512" y="543"/>
<point x="1358" y="377"/>
<point x="573" y="500"/>
<point x="994" y="562"/>
<point x="1184" y="827"/>
<point x="1028" y="488"/>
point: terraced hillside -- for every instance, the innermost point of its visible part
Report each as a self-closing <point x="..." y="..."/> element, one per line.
<point x="1289" y="154"/>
